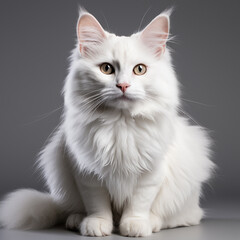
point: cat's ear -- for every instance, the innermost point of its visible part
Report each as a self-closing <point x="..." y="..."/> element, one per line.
<point x="155" y="34"/>
<point x="89" y="32"/>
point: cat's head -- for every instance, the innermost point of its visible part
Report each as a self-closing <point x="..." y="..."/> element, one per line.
<point x="131" y="73"/>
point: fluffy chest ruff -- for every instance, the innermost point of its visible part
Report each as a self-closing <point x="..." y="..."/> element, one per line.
<point x="119" y="149"/>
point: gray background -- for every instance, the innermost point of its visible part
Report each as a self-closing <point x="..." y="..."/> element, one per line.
<point x="36" y="39"/>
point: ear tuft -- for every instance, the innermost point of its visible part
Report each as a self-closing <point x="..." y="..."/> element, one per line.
<point x="156" y="33"/>
<point x="81" y="11"/>
<point x="168" y="12"/>
<point x="89" y="32"/>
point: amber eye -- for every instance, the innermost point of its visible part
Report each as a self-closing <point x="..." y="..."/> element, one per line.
<point x="140" y="69"/>
<point x="107" y="68"/>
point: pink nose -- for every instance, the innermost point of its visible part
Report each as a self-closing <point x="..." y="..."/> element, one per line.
<point x="123" y="86"/>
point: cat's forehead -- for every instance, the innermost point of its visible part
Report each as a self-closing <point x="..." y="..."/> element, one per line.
<point x="125" y="49"/>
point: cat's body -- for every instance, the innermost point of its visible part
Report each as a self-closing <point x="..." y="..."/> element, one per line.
<point x="120" y="150"/>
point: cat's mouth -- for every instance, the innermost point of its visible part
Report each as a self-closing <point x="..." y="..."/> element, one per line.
<point x="124" y="98"/>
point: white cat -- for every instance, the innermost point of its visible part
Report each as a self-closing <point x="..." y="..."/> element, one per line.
<point x="122" y="151"/>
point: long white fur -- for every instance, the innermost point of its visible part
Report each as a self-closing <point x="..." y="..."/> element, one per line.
<point x="138" y="155"/>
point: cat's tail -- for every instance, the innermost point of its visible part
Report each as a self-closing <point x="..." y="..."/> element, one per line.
<point x="29" y="209"/>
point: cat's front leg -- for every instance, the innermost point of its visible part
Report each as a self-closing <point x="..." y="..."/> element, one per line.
<point x="137" y="219"/>
<point x="97" y="203"/>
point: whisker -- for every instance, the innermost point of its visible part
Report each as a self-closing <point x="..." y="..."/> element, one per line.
<point x="105" y="19"/>
<point x="191" y="101"/>
<point x="188" y="115"/>
<point x="98" y="105"/>
<point x="86" y="98"/>
<point x="88" y="104"/>
<point x="87" y="94"/>
<point x="49" y="113"/>
<point x="140" y="25"/>
<point x="43" y="116"/>
<point x="91" y="101"/>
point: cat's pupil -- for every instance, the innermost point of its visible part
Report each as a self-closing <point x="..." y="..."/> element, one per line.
<point x="107" y="67"/>
<point x="140" y="68"/>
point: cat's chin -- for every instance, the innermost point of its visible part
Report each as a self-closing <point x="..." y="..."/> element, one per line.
<point x="122" y="102"/>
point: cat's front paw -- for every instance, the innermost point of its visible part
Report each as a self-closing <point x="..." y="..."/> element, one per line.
<point x="96" y="226"/>
<point x="135" y="227"/>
